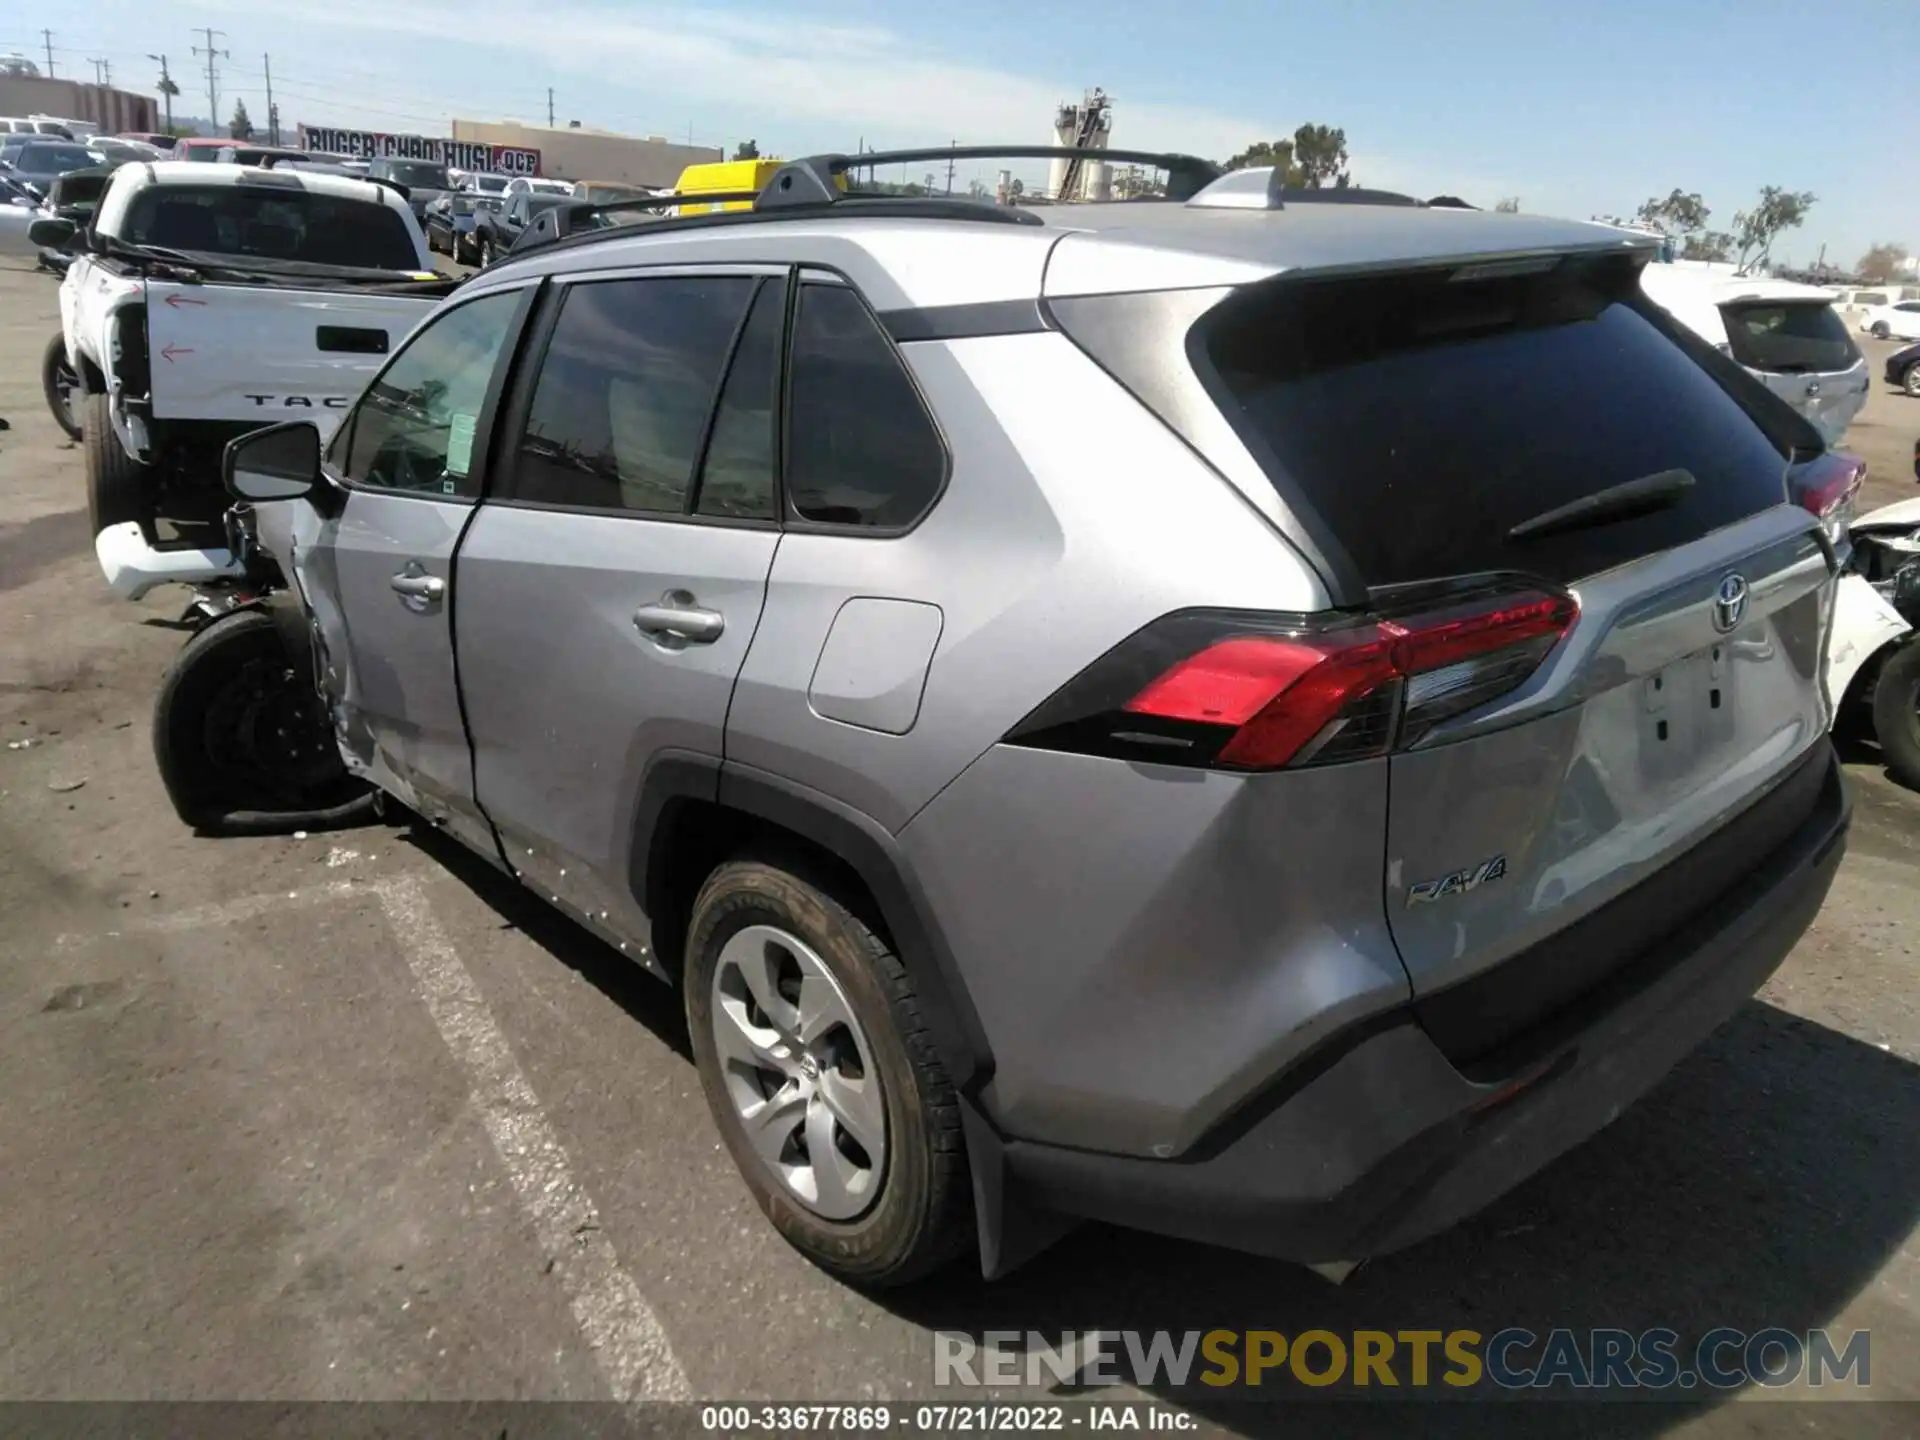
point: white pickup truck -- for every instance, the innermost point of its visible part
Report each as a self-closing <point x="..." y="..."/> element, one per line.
<point x="205" y="301"/>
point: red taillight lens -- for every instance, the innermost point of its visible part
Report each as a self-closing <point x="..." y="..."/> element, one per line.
<point x="1261" y="701"/>
<point x="1826" y="488"/>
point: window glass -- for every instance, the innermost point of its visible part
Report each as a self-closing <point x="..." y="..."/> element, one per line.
<point x="737" y="478"/>
<point x="415" y="427"/>
<point x="625" y="390"/>
<point x="862" y="449"/>
<point x="287" y="223"/>
<point x="1788" y="337"/>
<point x="1424" y="418"/>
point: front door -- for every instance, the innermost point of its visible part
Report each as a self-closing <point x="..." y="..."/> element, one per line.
<point x="378" y="575"/>
<point x="610" y="585"/>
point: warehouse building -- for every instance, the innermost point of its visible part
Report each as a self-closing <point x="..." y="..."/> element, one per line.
<point x="576" y="152"/>
<point x="116" y="112"/>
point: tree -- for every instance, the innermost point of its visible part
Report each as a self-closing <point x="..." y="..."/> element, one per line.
<point x="1755" y="230"/>
<point x="1018" y="187"/>
<point x="1714" y="245"/>
<point x="1320" y="154"/>
<point x="746" y="150"/>
<point x="976" y="189"/>
<point x="1277" y="153"/>
<point x="1882" y="264"/>
<point x="1509" y="206"/>
<point x="240" y="127"/>
<point x="1681" y="214"/>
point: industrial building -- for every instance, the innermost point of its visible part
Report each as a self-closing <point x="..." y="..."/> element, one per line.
<point x="116" y="112"/>
<point x="578" y="152"/>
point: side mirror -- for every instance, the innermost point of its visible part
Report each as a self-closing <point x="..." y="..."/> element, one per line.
<point x="51" y="234"/>
<point x="281" y="462"/>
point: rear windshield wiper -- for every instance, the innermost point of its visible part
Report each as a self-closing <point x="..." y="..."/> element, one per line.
<point x="1617" y="502"/>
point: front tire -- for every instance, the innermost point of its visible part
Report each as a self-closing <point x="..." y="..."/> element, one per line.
<point x="1881" y="330"/>
<point x="242" y="742"/>
<point x="1910" y="382"/>
<point x="1896" y="714"/>
<point x="61" y="384"/>
<point x="119" y="487"/>
<point x="486" y="252"/>
<point x="822" y="1077"/>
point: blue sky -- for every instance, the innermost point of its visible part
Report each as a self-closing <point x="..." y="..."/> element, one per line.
<point x="1577" y="109"/>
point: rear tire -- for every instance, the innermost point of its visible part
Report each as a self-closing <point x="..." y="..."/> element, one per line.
<point x="917" y="1215"/>
<point x="1910" y="382"/>
<point x="1896" y="714"/>
<point x="242" y="742"/>
<point x="119" y="487"/>
<point x="62" y="386"/>
<point x="1881" y="330"/>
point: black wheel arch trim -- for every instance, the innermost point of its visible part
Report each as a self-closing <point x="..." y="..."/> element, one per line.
<point x="862" y="843"/>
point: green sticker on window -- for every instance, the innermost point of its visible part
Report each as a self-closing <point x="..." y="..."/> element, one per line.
<point x="460" y="445"/>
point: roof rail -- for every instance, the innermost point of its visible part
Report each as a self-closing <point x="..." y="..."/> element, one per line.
<point x="579" y="222"/>
<point x="814" y="180"/>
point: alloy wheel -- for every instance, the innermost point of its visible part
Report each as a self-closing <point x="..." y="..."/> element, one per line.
<point x="799" y="1071"/>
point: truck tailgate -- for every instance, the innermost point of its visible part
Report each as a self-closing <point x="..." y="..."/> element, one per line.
<point x="264" y="354"/>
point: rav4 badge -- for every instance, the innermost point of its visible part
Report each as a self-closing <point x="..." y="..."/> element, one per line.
<point x="1458" y="883"/>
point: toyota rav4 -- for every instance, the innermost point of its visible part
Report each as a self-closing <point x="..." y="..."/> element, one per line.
<point x="1263" y="716"/>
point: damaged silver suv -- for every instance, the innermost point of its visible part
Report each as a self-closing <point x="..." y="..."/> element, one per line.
<point x="1262" y="716"/>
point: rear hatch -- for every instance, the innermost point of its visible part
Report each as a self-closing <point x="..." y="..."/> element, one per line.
<point x="1801" y="351"/>
<point x="1589" y="626"/>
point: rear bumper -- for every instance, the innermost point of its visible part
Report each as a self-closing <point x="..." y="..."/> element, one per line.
<point x="1383" y="1142"/>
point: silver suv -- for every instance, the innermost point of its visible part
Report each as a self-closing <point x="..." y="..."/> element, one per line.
<point x="1261" y="716"/>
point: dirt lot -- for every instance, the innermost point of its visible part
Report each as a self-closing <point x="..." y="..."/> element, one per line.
<point x="348" y="1118"/>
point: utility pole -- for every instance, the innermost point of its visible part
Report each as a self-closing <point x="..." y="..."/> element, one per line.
<point x="213" y="75"/>
<point x="273" y="113"/>
<point x="951" y="145"/>
<point x="549" y="107"/>
<point x="167" y="89"/>
<point x="47" y="35"/>
<point x="102" y="71"/>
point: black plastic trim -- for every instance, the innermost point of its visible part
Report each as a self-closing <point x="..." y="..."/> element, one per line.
<point x="961" y="322"/>
<point x="864" y="844"/>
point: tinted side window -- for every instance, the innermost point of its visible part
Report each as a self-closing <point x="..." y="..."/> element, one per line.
<point x="625" y="391"/>
<point x="414" y="428"/>
<point x="736" y="479"/>
<point x="861" y="447"/>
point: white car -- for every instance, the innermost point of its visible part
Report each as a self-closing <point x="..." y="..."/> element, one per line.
<point x="483" y="182"/>
<point x="207" y="300"/>
<point x="530" y="185"/>
<point x="1898" y="321"/>
<point x="1785" y="335"/>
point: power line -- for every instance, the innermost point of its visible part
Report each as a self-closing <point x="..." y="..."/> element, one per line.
<point x="213" y="75"/>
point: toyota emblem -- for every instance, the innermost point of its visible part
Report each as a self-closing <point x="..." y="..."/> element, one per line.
<point x="1730" y="603"/>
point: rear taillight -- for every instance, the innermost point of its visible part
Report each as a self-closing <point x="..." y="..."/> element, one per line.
<point x="1250" y="692"/>
<point x="1827" y="487"/>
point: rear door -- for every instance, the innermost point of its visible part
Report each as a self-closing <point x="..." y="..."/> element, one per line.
<point x="378" y="575"/>
<point x="262" y="355"/>
<point x="1434" y="423"/>
<point x="1801" y="351"/>
<point x="611" y="584"/>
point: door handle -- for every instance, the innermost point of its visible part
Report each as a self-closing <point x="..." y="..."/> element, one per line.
<point x="677" y="618"/>
<point x="419" y="587"/>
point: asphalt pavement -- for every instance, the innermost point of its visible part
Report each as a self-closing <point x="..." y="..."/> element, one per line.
<point x="348" y="1117"/>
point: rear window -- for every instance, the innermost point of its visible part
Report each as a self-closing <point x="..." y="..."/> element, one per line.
<point x="41" y="159"/>
<point x="1422" y="419"/>
<point x="281" y="224"/>
<point x="1798" y="338"/>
